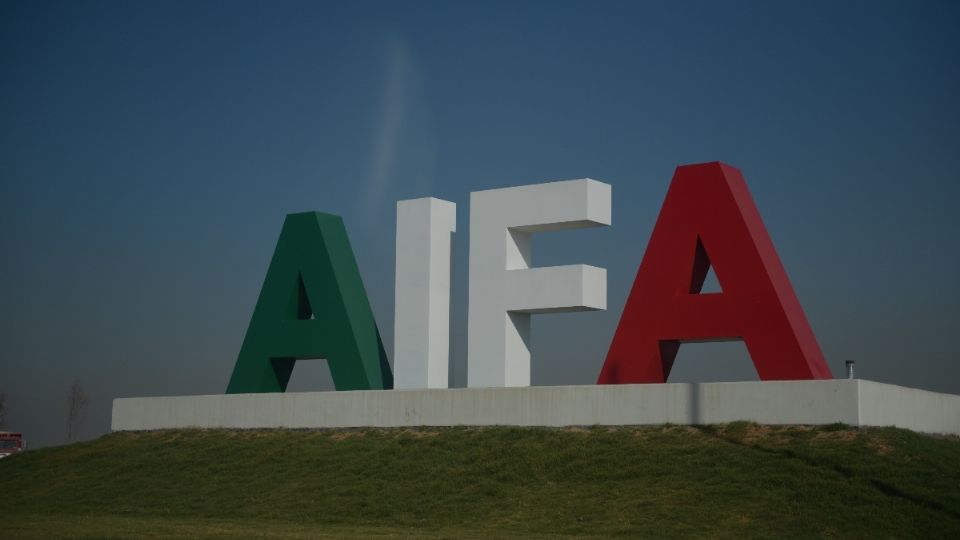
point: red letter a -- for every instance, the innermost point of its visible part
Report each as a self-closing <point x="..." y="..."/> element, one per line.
<point x="709" y="218"/>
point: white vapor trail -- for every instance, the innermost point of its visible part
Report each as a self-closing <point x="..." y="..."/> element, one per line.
<point x="394" y="107"/>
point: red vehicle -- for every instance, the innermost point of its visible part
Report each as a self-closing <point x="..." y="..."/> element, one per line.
<point x="11" y="443"/>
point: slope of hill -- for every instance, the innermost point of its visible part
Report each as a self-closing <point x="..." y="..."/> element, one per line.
<point x="735" y="480"/>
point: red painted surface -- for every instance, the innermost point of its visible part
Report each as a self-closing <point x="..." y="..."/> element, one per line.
<point x="709" y="218"/>
<point x="11" y="443"/>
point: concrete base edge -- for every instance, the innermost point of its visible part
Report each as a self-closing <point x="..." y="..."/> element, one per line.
<point x="852" y="402"/>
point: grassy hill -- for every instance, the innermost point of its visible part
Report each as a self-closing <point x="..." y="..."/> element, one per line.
<point x="738" y="480"/>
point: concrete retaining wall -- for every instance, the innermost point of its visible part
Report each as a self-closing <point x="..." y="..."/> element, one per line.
<point x="853" y="402"/>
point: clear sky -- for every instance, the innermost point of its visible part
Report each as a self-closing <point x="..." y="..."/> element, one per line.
<point x="150" y="150"/>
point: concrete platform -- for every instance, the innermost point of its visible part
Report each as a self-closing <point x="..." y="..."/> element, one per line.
<point x="853" y="402"/>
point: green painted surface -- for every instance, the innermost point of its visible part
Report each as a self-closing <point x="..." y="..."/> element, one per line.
<point x="312" y="305"/>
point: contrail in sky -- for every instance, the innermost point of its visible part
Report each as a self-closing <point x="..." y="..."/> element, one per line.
<point x="394" y="105"/>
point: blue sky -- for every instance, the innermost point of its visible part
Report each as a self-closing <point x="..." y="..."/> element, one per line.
<point x="150" y="150"/>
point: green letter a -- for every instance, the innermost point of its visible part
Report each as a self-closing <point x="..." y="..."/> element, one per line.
<point x="312" y="305"/>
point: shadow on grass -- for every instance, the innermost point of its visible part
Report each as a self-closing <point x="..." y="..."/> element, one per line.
<point x="883" y="487"/>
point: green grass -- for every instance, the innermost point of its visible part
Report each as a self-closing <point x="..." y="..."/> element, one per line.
<point x="738" y="480"/>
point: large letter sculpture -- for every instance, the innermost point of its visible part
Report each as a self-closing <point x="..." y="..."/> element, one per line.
<point x="709" y="218"/>
<point x="421" y="342"/>
<point x="312" y="305"/>
<point x="504" y="290"/>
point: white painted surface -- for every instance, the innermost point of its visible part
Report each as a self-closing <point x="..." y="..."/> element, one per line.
<point x="504" y="290"/>
<point x="853" y="402"/>
<point x="421" y="343"/>
<point x="908" y="408"/>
